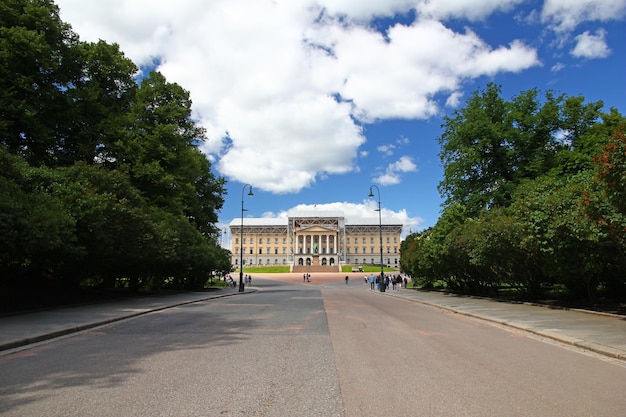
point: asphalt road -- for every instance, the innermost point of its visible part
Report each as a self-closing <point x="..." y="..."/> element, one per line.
<point x="299" y="350"/>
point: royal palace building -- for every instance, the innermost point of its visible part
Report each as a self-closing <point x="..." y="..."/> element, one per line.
<point x="324" y="239"/>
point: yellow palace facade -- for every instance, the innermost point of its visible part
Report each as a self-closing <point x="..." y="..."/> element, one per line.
<point x="314" y="239"/>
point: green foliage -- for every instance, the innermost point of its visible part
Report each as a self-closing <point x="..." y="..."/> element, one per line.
<point x="605" y="204"/>
<point x="101" y="178"/>
<point x="36" y="233"/>
<point x="535" y="195"/>
<point x="491" y="146"/>
<point x="558" y="234"/>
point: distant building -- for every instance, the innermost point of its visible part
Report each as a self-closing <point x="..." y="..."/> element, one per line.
<point x="316" y="238"/>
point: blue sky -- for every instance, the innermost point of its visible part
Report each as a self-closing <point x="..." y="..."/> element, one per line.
<point x="311" y="102"/>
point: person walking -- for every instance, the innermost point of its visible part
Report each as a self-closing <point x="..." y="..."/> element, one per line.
<point x="372" y="281"/>
<point x="346" y="280"/>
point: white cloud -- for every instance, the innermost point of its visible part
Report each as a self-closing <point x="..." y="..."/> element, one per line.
<point x="468" y="9"/>
<point x="454" y="99"/>
<point x="363" y="10"/>
<point x="403" y="140"/>
<point x="272" y="78"/>
<point x="591" y="46"/>
<point x="386" y="149"/>
<point x="566" y="15"/>
<point x="393" y="172"/>
<point x="367" y="210"/>
<point x="557" y="67"/>
<point x="397" y="77"/>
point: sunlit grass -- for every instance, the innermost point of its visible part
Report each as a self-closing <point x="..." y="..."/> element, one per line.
<point x="265" y="269"/>
<point x="367" y="268"/>
<point x="285" y="269"/>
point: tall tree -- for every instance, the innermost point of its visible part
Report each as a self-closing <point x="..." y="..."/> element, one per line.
<point x="107" y="173"/>
<point x="490" y="146"/>
<point x="101" y="101"/>
<point x="159" y="150"/>
<point x="39" y="61"/>
<point x="475" y="153"/>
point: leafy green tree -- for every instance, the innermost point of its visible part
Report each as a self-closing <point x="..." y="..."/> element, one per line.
<point x="411" y="258"/>
<point x="490" y="146"/>
<point x="37" y="234"/>
<point x="101" y="101"/>
<point x="39" y="61"/>
<point x="557" y="235"/>
<point x="605" y="204"/>
<point x="438" y="262"/>
<point x="113" y="223"/>
<point x="102" y="179"/>
<point x="160" y="152"/>
<point x="475" y="155"/>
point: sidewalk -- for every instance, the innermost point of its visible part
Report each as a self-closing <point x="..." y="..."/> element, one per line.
<point x="32" y="327"/>
<point x="598" y="332"/>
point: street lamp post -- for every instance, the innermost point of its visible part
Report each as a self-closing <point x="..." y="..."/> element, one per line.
<point x="380" y="230"/>
<point x="241" y="238"/>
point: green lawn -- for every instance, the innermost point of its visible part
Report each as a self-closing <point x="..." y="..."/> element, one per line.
<point x="265" y="270"/>
<point x="367" y="268"/>
<point x="285" y="269"/>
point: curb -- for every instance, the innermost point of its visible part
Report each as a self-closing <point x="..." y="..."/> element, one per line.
<point x="58" y="333"/>
<point x="579" y="343"/>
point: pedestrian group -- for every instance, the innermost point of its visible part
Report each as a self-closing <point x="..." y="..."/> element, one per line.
<point x="396" y="281"/>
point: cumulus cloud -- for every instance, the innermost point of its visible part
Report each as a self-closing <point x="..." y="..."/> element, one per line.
<point x="393" y="172"/>
<point x="285" y="88"/>
<point x="591" y="46"/>
<point x="454" y="99"/>
<point x="466" y="9"/>
<point x="566" y="15"/>
<point x="355" y="212"/>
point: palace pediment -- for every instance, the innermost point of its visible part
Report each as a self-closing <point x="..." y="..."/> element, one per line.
<point x="317" y="229"/>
